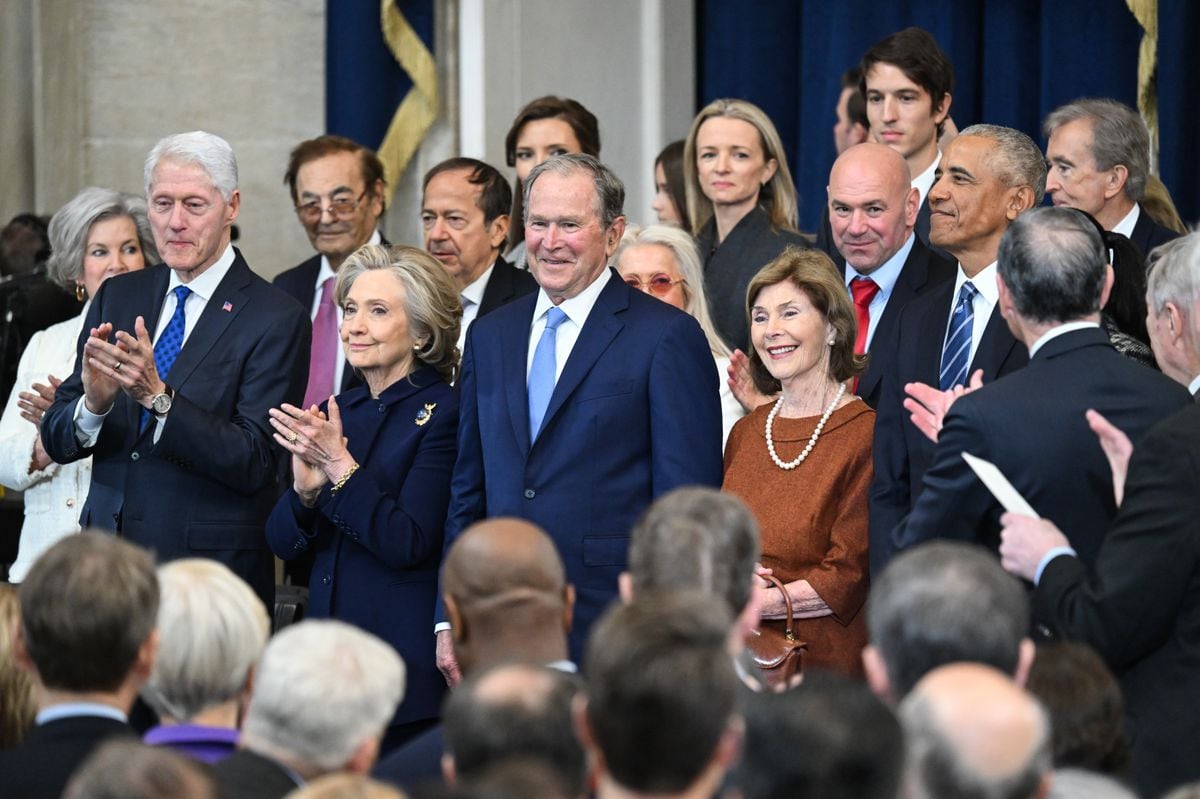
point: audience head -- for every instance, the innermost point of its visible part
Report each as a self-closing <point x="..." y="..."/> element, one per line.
<point x="464" y="210"/>
<point x="109" y="649"/>
<point x="546" y="127"/>
<point x="506" y="594"/>
<point x="828" y="738"/>
<point x="346" y="786"/>
<point x="424" y="310"/>
<point x="1173" y="303"/>
<point x="699" y="539"/>
<point x="1098" y="152"/>
<point x="192" y="191"/>
<point x="1087" y="712"/>
<point x="574" y="220"/>
<point x="733" y="157"/>
<point x="852" y="125"/>
<point x="1053" y="268"/>
<point x="24" y="244"/>
<point x="323" y="695"/>
<point x="907" y="82"/>
<point x="339" y="191"/>
<point x="972" y="731"/>
<point x="925" y="610"/>
<point x="872" y="205"/>
<point x="660" y="716"/>
<point x="802" y="280"/>
<point x="987" y="177"/>
<point x="1074" y="783"/>
<point x="18" y="700"/>
<point x="663" y="261"/>
<point x="132" y="770"/>
<point x="212" y="630"/>
<point x="670" y="196"/>
<point x="99" y="233"/>
<point x="512" y="712"/>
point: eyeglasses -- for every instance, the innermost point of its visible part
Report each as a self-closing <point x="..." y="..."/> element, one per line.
<point x="658" y="284"/>
<point x="339" y="207"/>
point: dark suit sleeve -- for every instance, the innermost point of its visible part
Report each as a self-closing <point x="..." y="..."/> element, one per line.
<point x="889" y="502"/>
<point x="1144" y="572"/>
<point x="58" y="423"/>
<point x="685" y="410"/>
<point x="239" y="452"/>
<point x="953" y="502"/>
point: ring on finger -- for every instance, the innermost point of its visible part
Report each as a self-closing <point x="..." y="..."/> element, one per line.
<point x="117" y="366"/>
<point x="291" y="436"/>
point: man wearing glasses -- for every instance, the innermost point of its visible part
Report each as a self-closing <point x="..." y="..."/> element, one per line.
<point x="337" y="187"/>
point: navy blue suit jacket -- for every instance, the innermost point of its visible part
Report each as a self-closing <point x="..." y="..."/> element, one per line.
<point x="635" y="413"/>
<point x="1031" y="425"/>
<point x="378" y="541"/>
<point x="1148" y="234"/>
<point x="41" y="765"/>
<point x="206" y="487"/>
<point x="902" y="453"/>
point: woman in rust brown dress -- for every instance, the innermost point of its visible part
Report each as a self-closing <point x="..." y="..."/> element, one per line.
<point x="803" y="462"/>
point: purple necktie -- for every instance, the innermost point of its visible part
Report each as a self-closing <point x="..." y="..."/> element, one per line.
<point x="325" y="341"/>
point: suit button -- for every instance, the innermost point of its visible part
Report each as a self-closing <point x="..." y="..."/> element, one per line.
<point x="325" y="579"/>
<point x="382" y="409"/>
<point x="71" y="502"/>
<point x="530" y="493"/>
<point x="134" y="456"/>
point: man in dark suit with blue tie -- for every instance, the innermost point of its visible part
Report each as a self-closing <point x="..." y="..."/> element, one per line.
<point x="584" y="402"/>
<point x="173" y="409"/>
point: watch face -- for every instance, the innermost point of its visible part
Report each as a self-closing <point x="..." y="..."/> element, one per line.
<point x="161" y="404"/>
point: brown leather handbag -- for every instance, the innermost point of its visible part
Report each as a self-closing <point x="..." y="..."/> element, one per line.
<point x="778" y="655"/>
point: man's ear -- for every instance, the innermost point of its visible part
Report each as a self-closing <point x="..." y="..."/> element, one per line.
<point x="498" y="231"/>
<point x="876" y="671"/>
<point x="21" y="652"/>
<point x="363" y="758"/>
<point x="625" y="587"/>
<point x="1025" y="655"/>
<point x="449" y="773"/>
<point x="143" y="665"/>
<point x="568" y="607"/>
<point x="1118" y="176"/>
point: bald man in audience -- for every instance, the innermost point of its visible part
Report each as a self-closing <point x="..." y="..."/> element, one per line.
<point x="507" y="597"/>
<point x="972" y="731"/>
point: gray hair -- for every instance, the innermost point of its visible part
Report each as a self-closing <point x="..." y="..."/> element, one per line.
<point x="1016" y="160"/>
<point x="206" y="150"/>
<point x="130" y="769"/>
<point x="925" y="610"/>
<point x="1053" y="262"/>
<point x="696" y="538"/>
<point x="212" y="630"/>
<point x="1119" y="136"/>
<point x="71" y="224"/>
<point x="687" y="260"/>
<point x="1174" y="275"/>
<point x="322" y="688"/>
<point x="610" y="191"/>
<point x="431" y="299"/>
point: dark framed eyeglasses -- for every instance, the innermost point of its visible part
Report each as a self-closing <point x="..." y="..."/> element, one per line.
<point x="657" y="285"/>
<point x="340" y="207"/>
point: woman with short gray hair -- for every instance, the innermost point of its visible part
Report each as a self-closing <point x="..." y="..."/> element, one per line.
<point x="97" y="234"/>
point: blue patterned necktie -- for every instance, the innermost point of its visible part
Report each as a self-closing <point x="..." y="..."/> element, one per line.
<point x="541" y="374"/>
<point x="956" y="357"/>
<point x="166" y="349"/>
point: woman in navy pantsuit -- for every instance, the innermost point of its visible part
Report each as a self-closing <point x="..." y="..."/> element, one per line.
<point x="372" y="467"/>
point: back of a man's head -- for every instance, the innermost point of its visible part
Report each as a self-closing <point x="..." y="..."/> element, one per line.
<point x="696" y="538"/>
<point x="1053" y="264"/>
<point x="939" y="603"/>
<point x="133" y="770"/>
<point x="323" y="694"/>
<point x="972" y="733"/>
<point x="828" y="738"/>
<point x="88" y="607"/>
<point x="660" y="697"/>
<point x="515" y="711"/>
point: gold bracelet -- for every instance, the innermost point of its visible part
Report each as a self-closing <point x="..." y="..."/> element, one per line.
<point x="342" y="480"/>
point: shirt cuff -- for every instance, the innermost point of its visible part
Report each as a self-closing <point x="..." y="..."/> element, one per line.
<point x="87" y="424"/>
<point x="1049" y="556"/>
<point x="441" y="626"/>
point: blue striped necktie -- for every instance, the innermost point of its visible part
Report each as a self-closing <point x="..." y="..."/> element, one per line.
<point x="956" y="357"/>
<point x="542" y="372"/>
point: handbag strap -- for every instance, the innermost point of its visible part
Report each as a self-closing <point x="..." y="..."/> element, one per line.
<point x="787" y="601"/>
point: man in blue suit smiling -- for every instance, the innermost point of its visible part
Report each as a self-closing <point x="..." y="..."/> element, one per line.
<point x="584" y="402"/>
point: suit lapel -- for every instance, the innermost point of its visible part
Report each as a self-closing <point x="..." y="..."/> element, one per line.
<point x="222" y="308"/>
<point x="499" y="288"/>
<point x="933" y="334"/>
<point x="994" y="347"/>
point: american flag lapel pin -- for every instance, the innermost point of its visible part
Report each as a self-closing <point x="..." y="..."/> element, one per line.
<point x="227" y="307"/>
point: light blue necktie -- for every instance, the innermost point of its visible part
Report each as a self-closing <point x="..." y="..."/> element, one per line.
<point x="166" y="350"/>
<point x="541" y="374"/>
<point x="956" y="357"/>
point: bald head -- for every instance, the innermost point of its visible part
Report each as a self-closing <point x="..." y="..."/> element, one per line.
<point x="973" y="731"/>
<point x="872" y="205"/>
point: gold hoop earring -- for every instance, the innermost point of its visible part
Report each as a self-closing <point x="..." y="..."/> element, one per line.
<point x="80" y="292"/>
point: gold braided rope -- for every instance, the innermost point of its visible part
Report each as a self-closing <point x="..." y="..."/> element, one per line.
<point x="1146" y="13"/>
<point x="418" y="109"/>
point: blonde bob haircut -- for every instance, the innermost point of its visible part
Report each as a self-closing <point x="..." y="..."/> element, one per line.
<point x="777" y="196"/>
<point x="431" y="299"/>
<point x="812" y="272"/>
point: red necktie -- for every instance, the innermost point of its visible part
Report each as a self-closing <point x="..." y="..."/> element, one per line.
<point x="323" y="364"/>
<point x="864" y="290"/>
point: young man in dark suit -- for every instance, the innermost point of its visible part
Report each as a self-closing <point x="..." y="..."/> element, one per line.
<point x="87" y="635"/>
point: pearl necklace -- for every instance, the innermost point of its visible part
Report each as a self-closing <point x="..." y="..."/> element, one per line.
<point x="789" y="465"/>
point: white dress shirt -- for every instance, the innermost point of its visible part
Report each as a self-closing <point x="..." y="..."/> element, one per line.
<point x="1125" y="226"/>
<point x="472" y="297"/>
<point x="1055" y="332"/>
<point x="577" y="310"/>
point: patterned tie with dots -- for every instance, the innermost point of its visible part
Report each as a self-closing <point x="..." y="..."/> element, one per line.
<point x="166" y="350"/>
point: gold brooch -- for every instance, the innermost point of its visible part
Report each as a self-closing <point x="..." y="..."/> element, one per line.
<point x="425" y="414"/>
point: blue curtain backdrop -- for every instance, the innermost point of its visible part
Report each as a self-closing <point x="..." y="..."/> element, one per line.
<point x="1014" y="62"/>
<point x="363" y="82"/>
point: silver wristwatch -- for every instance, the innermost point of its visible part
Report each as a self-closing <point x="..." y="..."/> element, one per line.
<point x="161" y="403"/>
